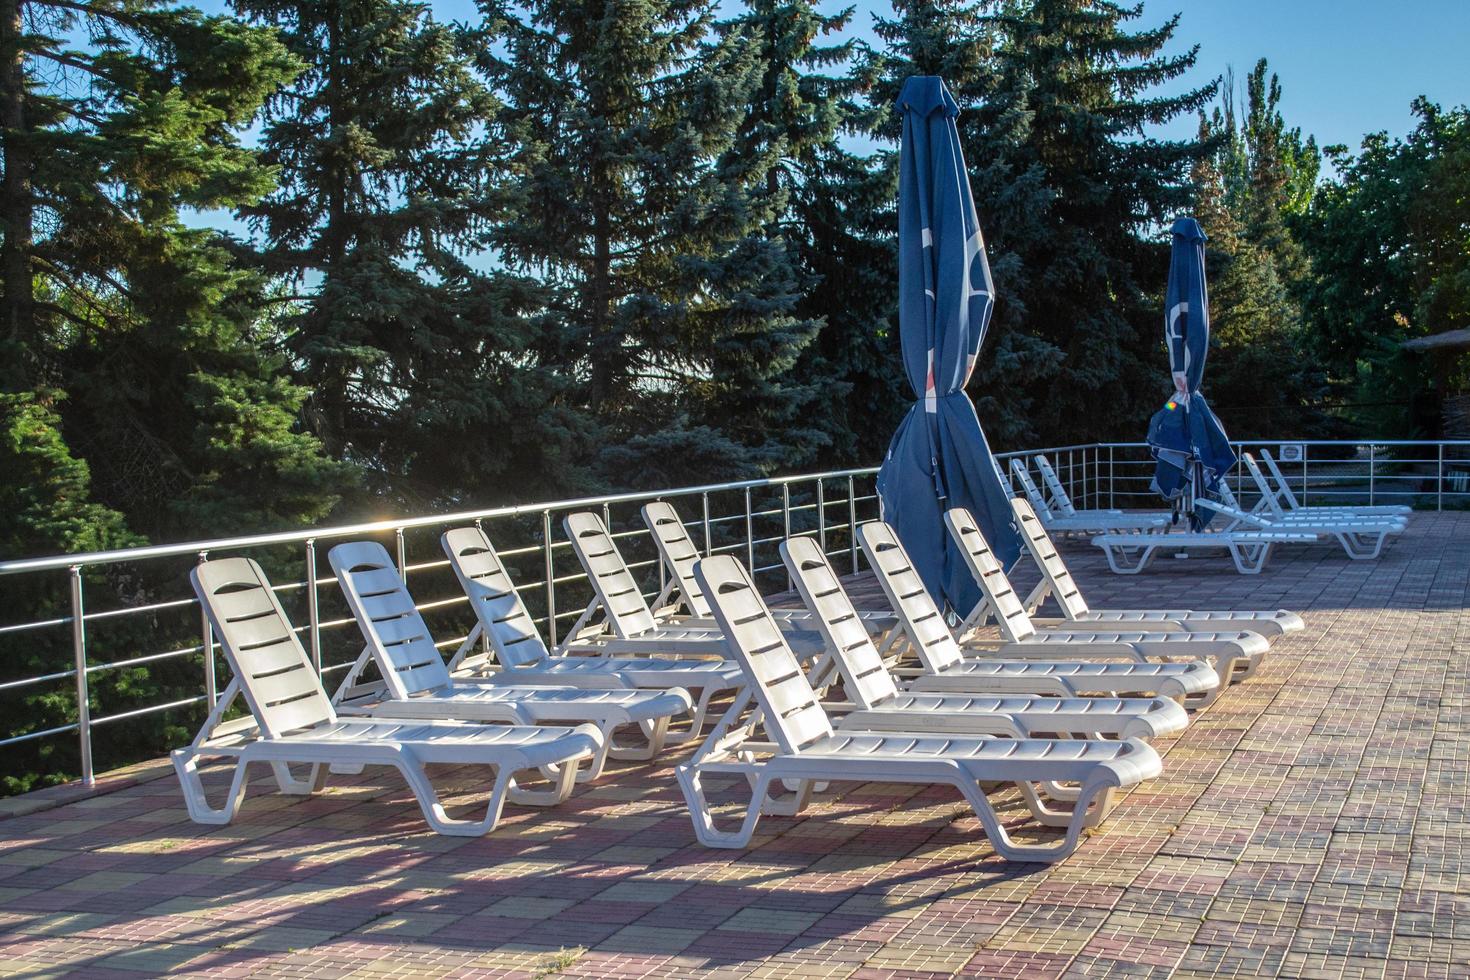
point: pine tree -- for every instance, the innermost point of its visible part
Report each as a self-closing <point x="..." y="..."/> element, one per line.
<point x="423" y="368"/>
<point x="845" y="383"/>
<point x="145" y="327"/>
<point x="1077" y="185"/>
<point x="1246" y="196"/>
<point x="672" y="304"/>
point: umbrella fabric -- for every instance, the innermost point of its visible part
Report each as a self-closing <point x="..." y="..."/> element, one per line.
<point x="939" y="457"/>
<point x="1187" y="440"/>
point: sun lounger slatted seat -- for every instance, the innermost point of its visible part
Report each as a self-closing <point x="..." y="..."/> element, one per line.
<point x="803" y="748"/>
<point x="419" y="684"/>
<point x="880" y="704"/>
<point x="521" y="656"/>
<point x="1057" y="583"/>
<point x="948" y="669"/>
<point x="292" y="721"/>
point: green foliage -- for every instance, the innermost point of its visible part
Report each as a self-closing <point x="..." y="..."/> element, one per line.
<point x="649" y="207"/>
<point x="427" y="372"/>
<point x="1391" y="261"/>
<point x="1247" y="193"/>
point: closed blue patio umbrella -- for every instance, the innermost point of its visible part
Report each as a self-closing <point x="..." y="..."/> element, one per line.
<point x="939" y="457"/>
<point x="1189" y="444"/>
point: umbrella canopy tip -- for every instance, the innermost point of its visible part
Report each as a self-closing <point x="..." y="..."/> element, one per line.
<point x="926" y="94"/>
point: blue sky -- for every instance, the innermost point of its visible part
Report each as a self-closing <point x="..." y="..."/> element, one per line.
<point x="1347" y="67"/>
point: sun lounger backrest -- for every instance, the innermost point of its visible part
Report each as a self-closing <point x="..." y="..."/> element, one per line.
<point x="1054" y="486"/>
<point x="920" y="618"/>
<point x="1028" y="486"/>
<point x="493" y="597"/>
<point x="988" y="572"/>
<point x="389" y="620"/>
<point x="678" y="552"/>
<point x="622" y="600"/>
<point x="1044" y="552"/>
<point x="1268" y="496"/>
<point x="865" y="677"/>
<point x="276" y="679"/>
<point x="1286" y="496"/>
<point x="793" y="716"/>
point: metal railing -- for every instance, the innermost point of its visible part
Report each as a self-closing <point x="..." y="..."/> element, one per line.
<point x="1425" y="474"/>
<point x="144" y="590"/>
<point x="748" y="518"/>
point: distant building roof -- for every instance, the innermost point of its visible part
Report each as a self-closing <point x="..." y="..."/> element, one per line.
<point x="1449" y="340"/>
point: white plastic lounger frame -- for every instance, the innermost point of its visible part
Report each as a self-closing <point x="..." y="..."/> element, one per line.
<point x="1289" y="502"/>
<point x="1359" y="540"/>
<point x="1057" y="582"/>
<point x="678" y="553"/>
<point x="1129" y="554"/>
<point x="619" y="619"/>
<point x="878" y="703"/>
<point x="419" y="685"/>
<point x="946" y="668"/>
<point x="1089" y="522"/>
<point x="1225" y="650"/>
<point x="292" y="721"/>
<point x="1274" y="512"/>
<point x="804" y="748"/>
<point x="502" y="619"/>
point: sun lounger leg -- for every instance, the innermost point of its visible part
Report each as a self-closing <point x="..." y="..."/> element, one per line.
<point x="433" y="809"/>
<point x="186" y="764"/>
<point x="1091" y="806"/>
<point x="563" y="780"/>
<point x="704" y="825"/>
<point x="313" y="783"/>
<point x="654" y="731"/>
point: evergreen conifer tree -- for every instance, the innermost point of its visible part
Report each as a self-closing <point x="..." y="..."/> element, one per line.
<point x="144" y="329"/>
<point x="423" y="368"/>
<point x="1077" y="185"/>
<point x="671" y="301"/>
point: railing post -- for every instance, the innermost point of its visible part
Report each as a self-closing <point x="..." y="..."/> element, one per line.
<point x="1306" y="451"/>
<point x="550" y="579"/>
<point x="79" y="656"/>
<point x="852" y="541"/>
<point x="822" y="515"/>
<point x="749" y="534"/>
<point x="786" y="524"/>
<point x="1112" y="480"/>
<point x="402" y="555"/>
<point x="210" y="687"/>
<point x="705" y="505"/>
<point x="1439" y="479"/>
<point x="313" y="611"/>
<point x="1372" y="463"/>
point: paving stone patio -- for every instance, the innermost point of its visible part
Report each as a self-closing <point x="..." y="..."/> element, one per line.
<point x="1314" y="822"/>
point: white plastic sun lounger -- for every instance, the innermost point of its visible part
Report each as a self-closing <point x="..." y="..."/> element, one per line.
<point x="678" y="553"/>
<point x="1268" y="506"/>
<point x="803" y="748"/>
<point x="1359" y="540"/>
<point x="947" y="669"/>
<point x="1225" y="650"/>
<point x="619" y="620"/>
<point x="1129" y="554"/>
<point x="291" y="720"/>
<point x="1082" y="522"/>
<point x="1287" y="500"/>
<point x="878" y="703"/>
<point x="1061" y="501"/>
<point x="419" y="684"/>
<point x="522" y="657"/>
<point x="1057" y="582"/>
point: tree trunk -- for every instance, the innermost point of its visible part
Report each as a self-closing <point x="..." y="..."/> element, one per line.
<point x="16" y="207"/>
